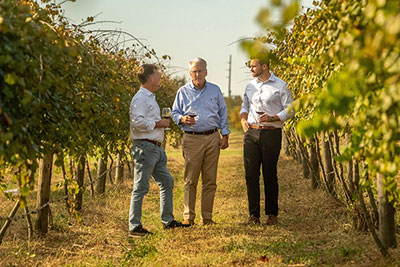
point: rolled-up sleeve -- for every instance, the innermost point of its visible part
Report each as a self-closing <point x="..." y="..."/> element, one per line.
<point x="137" y="112"/>
<point x="286" y="101"/>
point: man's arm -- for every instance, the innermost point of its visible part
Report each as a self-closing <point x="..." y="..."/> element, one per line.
<point x="265" y="118"/>
<point x="286" y="101"/>
<point x="244" y="122"/>
<point x="285" y="113"/>
<point x="177" y="112"/>
<point x="244" y="112"/>
<point x="223" y="115"/>
<point x="224" y="125"/>
<point x="137" y="112"/>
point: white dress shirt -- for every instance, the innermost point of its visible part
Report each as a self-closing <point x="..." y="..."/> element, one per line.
<point x="144" y="112"/>
<point x="272" y="96"/>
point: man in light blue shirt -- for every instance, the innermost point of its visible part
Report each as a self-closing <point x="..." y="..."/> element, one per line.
<point x="200" y="110"/>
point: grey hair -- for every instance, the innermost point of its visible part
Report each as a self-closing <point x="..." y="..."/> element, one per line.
<point x="197" y="59"/>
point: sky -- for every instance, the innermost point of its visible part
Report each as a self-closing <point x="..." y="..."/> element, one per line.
<point x="185" y="29"/>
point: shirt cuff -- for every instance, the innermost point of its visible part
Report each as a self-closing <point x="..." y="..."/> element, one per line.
<point x="244" y="110"/>
<point x="225" y="132"/>
<point x="283" y="115"/>
<point x="152" y="125"/>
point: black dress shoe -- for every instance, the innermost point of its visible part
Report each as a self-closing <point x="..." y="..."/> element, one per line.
<point x="174" y="224"/>
<point x="139" y="231"/>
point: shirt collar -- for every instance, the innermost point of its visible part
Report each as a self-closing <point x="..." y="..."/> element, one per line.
<point x="146" y="91"/>
<point x="271" y="78"/>
<point x="194" y="87"/>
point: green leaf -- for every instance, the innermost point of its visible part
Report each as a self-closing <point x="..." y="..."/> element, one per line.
<point x="9" y="78"/>
<point x="291" y="11"/>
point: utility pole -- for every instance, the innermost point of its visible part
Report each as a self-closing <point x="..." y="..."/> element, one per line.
<point x="229" y="76"/>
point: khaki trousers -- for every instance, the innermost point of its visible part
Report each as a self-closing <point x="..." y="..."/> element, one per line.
<point x="201" y="154"/>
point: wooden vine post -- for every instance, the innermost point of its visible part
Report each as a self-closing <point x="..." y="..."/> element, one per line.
<point x="101" y="176"/>
<point x="387" y="225"/>
<point x="119" y="174"/>
<point x="43" y="195"/>
<point x="79" y="179"/>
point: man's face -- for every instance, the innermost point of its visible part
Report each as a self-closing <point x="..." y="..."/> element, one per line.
<point x="155" y="79"/>
<point x="256" y="68"/>
<point x="198" y="73"/>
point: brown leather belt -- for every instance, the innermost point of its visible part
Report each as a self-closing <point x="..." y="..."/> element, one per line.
<point x="203" y="133"/>
<point x="150" y="141"/>
<point x="261" y="127"/>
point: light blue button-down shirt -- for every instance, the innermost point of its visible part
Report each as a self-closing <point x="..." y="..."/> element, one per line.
<point x="208" y="103"/>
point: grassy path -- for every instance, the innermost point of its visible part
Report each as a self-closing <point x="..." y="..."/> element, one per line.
<point x="313" y="230"/>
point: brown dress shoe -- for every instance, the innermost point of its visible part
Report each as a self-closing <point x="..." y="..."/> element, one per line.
<point x="272" y="220"/>
<point x="253" y="220"/>
<point x="208" y="222"/>
<point x="188" y="222"/>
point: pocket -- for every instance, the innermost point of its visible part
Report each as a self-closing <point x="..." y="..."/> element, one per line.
<point x="212" y="103"/>
<point x="246" y="135"/>
<point x="137" y="151"/>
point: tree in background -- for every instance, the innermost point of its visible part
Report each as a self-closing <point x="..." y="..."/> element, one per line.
<point x="342" y="61"/>
<point x="234" y="103"/>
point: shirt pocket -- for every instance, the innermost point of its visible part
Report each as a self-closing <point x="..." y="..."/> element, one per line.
<point x="212" y="103"/>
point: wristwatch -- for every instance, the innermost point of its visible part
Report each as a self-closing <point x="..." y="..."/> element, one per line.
<point x="272" y="118"/>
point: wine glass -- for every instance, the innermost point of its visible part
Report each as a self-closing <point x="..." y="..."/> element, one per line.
<point x="193" y="114"/>
<point x="259" y="111"/>
<point x="166" y="114"/>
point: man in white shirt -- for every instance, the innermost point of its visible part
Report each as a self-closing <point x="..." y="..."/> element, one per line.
<point x="264" y="109"/>
<point x="147" y="133"/>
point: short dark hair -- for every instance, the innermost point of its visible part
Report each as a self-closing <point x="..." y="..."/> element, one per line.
<point x="145" y="71"/>
<point x="264" y="60"/>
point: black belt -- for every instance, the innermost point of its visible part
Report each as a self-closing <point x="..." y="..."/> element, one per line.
<point x="204" y="132"/>
<point x="150" y="141"/>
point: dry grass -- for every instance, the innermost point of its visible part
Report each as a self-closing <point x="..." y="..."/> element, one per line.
<point x="313" y="230"/>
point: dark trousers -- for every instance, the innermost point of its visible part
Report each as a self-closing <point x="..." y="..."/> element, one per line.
<point x="262" y="147"/>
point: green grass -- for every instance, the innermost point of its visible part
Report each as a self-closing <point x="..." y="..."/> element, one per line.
<point x="313" y="230"/>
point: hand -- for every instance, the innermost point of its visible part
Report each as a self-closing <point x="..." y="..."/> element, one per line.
<point x="223" y="143"/>
<point x="188" y="120"/>
<point x="164" y="123"/>
<point x="265" y="118"/>
<point x="245" y="124"/>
